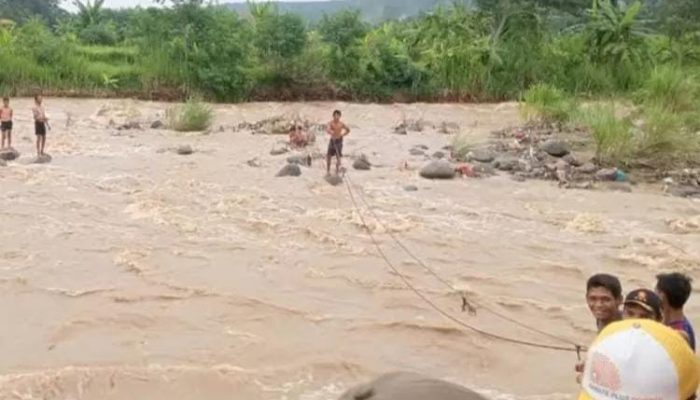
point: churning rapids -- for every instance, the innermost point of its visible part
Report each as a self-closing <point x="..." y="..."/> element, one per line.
<point x="128" y="271"/>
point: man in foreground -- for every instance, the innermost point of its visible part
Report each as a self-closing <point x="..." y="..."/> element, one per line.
<point x="674" y="290"/>
<point x="604" y="297"/>
<point x="642" y="304"/>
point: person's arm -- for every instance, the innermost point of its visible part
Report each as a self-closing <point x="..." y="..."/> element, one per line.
<point x="329" y="130"/>
<point x="347" y="130"/>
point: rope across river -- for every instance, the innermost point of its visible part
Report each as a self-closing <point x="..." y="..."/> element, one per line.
<point x="466" y="304"/>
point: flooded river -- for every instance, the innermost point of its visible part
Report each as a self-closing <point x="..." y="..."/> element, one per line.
<point x="128" y="271"/>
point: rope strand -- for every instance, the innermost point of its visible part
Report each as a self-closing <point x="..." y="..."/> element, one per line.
<point x="430" y="303"/>
<point x="465" y="302"/>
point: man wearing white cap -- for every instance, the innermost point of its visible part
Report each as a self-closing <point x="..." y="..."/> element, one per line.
<point x="640" y="360"/>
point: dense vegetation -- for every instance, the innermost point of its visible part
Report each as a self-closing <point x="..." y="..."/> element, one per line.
<point x="494" y="52"/>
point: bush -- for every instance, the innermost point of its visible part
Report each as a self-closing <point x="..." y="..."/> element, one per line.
<point x="192" y="116"/>
<point x="665" y="138"/>
<point x="547" y="103"/>
<point x="612" y="135"/>
<point x="102" y="34"/>
<point x="671" y="87"/>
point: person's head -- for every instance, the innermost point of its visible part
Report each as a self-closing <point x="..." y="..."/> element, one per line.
<point x="642" y="304"/>
<point x="604" y="296"/>
<point x="673" y="289"/>
<point x="38" y="99"/>
<point x="6" y="101"/>
<point x="336" y="115"/>
<point x="639" y="359"/>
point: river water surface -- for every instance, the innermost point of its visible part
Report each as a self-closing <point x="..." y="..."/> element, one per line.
<point x="130" y="272"/>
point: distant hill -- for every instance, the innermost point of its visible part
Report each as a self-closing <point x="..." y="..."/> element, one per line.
<point x="372" y="10"/>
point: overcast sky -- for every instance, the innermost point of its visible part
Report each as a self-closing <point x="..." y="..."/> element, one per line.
<point x="131" y="3"/>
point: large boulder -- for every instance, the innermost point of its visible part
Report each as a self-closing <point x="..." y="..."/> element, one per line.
<point x="606" y="174"/>
<point x="9" y="154"/>
<point x="438" y="169"/>
<point x="362" y="163"/>
<point x="482" y="155"/>
<point x="439" y="154"/>
<point x="334" y="180"/>
<point x="42" y="159"/>
<point x="506" y="162"/>
<point x="289" y="170"/>
<point x="556" y="148"/>
<point x="184" y="150"/>
<point x="409" y="386"/>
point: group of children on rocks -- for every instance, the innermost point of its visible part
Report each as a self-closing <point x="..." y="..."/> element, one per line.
<point x="41" y="124"/>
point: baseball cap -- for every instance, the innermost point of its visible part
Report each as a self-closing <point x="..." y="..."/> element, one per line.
<point x="639" y="359"/>
<point x="646" y="299"/>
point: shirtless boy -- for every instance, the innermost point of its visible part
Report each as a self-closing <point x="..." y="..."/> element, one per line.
<point x="6" y="122"/>
<point x="338" y="130"/>
<point x="40" y="122"/>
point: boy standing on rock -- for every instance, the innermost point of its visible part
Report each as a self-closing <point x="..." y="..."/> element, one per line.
<point x="338" y="130"/>
<point x="40" y="122"/>
<point x="6" y="122"/>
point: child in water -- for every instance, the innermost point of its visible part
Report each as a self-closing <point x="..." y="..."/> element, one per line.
<point x="6" y="122"/>
<point x="40" y="125"/>
<point x="338" y="130"/>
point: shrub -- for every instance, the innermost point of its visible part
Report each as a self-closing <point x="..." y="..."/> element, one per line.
<point x="665" y="138"/>
<point x="192" y="116"/>
<point x="612" y="135"/>
<point x="547" y="103"/>
<point x="671" y="87"/>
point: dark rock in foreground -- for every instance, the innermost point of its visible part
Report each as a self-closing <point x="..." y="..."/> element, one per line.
<point x="362" y="163"/>
<point x="289" y="170"/>
<point x="184" y="150"/>
<point x="439" y="169"/>
<point x="506" y="163"/>
<point x="439" y="154"/>
<point x="9" y="154"/>
<point x="482" y="155"/>
<point x="410" y="188"/>
<point x="334" y="180"/>
<point x="409" y="386"/>
<point x="606" y="174"/>
<point x="556" y="148"/>
<point x="157" y="125"/>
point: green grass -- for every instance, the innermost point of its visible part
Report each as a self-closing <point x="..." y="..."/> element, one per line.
<point x="109" y="53"/>
<point x="192" y="116"/>
<point x="612" y="135"/>
<point x="671" y="87"/>
<point x="546" y="103"/>
<point x="665" y="139"/>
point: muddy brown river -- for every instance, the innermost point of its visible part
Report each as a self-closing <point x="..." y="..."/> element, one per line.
<point x="128" y="271"/>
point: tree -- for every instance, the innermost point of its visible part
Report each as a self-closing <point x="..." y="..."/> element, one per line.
<point x="22" y="10"/>
<point x="89" y="12"/>
<point x="278" y="36"/>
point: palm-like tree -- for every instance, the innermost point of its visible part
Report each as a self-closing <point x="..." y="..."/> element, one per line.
<point x="89" y="12"/>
